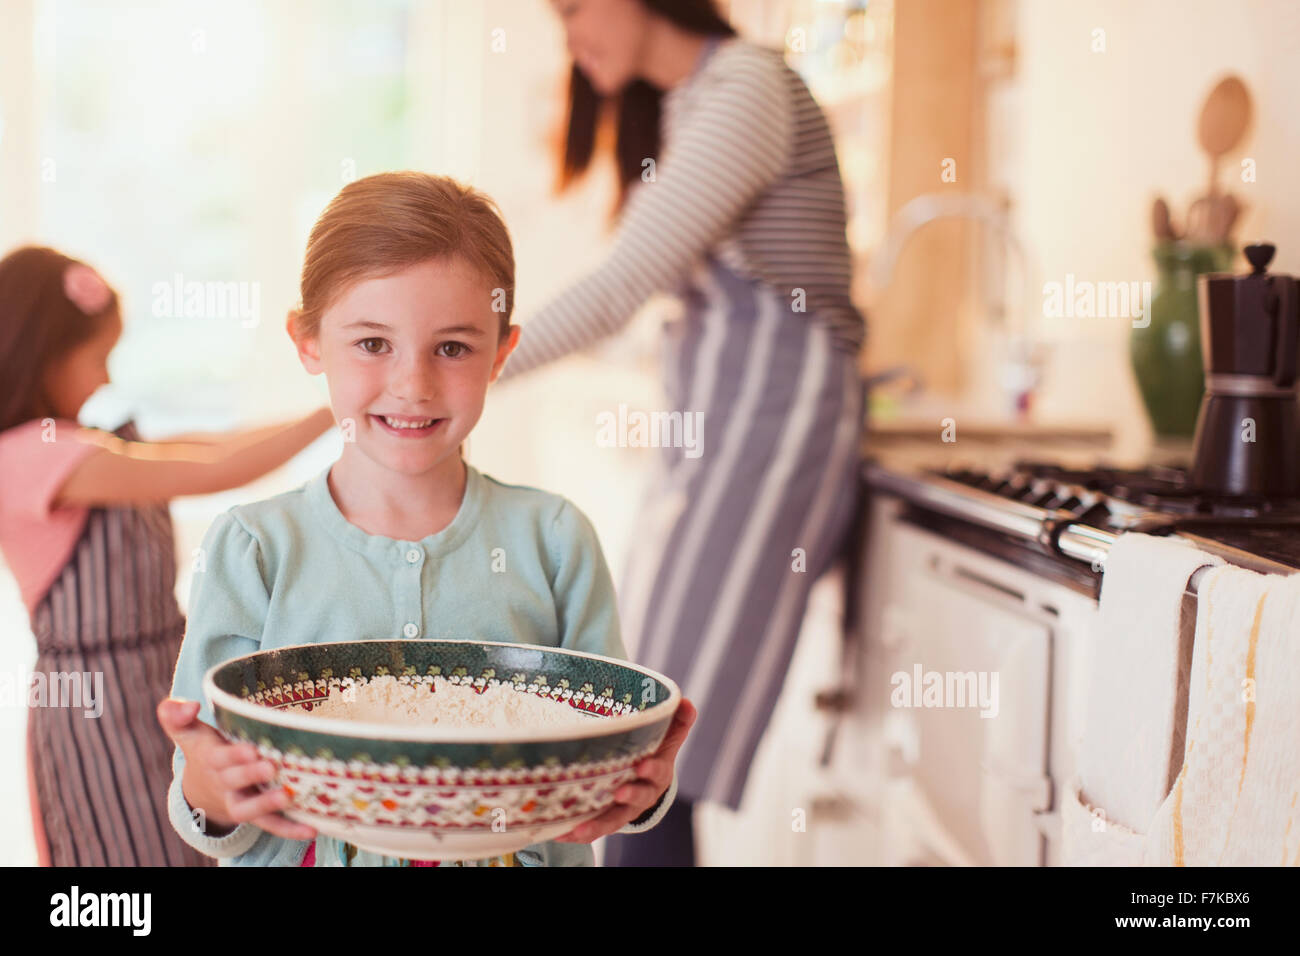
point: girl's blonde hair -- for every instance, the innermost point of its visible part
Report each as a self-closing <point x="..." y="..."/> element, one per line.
<point x="383" y="223"/>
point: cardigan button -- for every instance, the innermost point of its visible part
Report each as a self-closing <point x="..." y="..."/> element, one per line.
<point x="411" y="629"/>
<point x="413" y="556"/>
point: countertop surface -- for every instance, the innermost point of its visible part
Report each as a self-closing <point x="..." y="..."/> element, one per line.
<point x="994" y="445"/>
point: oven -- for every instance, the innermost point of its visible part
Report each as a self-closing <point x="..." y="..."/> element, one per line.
<point x="965" y="576"/>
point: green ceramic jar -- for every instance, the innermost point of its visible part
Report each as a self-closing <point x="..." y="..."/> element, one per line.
<point x="1166" y="354"/>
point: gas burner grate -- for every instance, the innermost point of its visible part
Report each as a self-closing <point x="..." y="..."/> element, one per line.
<point x="1159" y="489"/>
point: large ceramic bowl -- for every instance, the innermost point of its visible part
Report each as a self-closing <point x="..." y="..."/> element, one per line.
<point x="441" y="792"/>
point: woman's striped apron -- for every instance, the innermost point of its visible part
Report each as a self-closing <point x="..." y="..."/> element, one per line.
<point x="100" y="783"/>
<point x="731" y="541"/>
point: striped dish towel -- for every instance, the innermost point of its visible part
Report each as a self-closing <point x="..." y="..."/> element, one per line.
<point x="1235" y="800"/>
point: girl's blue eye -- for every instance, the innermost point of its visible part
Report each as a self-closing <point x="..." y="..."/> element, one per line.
<point x="363" y="343"/>
<point x="460" y="349"/>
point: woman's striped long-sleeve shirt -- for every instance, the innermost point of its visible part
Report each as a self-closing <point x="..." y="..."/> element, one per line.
<point x="747" y="172"/>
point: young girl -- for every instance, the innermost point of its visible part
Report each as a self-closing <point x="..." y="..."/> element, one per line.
<point x="85" y="529"/>
<point x="407" y="290"/>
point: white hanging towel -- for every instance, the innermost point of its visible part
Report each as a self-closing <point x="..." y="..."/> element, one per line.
<point x="1089" y="839"/>
<point x="1234" y="801"/>
<point x="1135" y="698"/>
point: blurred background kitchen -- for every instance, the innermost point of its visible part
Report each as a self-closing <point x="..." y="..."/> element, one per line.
<point x="153" y="139"/>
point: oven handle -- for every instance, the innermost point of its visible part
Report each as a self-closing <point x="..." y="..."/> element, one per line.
<point x="1054" y="530"/>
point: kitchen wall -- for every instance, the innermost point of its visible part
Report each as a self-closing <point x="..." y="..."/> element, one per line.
<point x="1093" y="137"/>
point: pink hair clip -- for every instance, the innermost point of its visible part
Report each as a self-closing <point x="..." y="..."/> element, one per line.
<point x="86" y="289"/>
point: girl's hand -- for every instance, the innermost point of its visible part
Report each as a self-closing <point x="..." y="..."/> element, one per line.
<point x="654" y="775"/>
<point x="221" y="778"/>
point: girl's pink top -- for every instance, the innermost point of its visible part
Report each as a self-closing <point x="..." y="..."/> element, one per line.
<point x="37" y="541"/>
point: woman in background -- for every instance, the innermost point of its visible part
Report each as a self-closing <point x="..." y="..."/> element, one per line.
<point x="741" y="213"/>
<point x="85" y="529"/>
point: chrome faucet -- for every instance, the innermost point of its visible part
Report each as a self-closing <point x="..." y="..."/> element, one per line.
<point x="1021" y="370"/>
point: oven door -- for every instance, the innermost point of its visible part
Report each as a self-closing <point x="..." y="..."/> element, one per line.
<point x="976" y="763"/>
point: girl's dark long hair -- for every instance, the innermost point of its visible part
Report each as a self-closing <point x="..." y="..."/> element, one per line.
<point x="38" y="324"/>
<point x="634" y="112"/>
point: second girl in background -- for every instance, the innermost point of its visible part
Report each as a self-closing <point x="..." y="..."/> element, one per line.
<point x="86" y="531"/>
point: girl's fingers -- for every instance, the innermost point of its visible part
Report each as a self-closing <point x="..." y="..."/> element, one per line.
<point x="245" y="775"/>
<point x="657" y="771"/>
<point x="611" y="821"/>
<point x="654" y="776"/>
<point x="259" y="803"/>
<point x="174" y="713"/>
<point x="631" y="800"/>
<point x="658" y="767"/>
<point x="178" y="719"/>
<point x="231" y="755"/>
<point x="683" y="720"/>
<point x="638" y="793"/>
<point x="261" y="808"/>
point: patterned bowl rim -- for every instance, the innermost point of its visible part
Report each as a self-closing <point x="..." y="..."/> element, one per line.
<point x="340" y="727"/>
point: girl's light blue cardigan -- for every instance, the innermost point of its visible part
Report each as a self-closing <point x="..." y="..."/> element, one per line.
<point x="516" y="564"/>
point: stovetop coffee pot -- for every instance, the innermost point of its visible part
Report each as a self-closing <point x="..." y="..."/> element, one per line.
<point x="1248" y="431"/>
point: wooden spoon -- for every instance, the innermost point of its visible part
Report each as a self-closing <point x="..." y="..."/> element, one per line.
<point x="1223" y="122"/>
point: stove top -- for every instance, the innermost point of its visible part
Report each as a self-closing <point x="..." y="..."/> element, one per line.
<point x="1160" y="489"/>
<point x="1155" y="500"/>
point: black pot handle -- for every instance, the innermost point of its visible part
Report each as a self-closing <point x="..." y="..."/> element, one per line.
<point x="1288" y="326"/>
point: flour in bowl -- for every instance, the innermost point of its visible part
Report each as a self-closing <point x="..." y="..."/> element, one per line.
<point x="385" y="699"/>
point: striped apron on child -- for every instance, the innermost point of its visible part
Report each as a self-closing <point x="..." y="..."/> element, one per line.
<point x="100" y="783"/>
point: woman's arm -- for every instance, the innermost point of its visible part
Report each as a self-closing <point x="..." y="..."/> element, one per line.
<point x="720" y="156"/>
<point x="126" y="472"/>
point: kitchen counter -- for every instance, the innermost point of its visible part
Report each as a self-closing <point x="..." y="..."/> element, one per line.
<point x="994" y="444"/>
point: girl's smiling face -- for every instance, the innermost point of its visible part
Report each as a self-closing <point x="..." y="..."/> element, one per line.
<point x="418" y="347"/>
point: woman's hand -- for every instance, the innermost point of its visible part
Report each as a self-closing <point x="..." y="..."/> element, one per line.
<point x="654" y="775"/>
<point x="221" y="779"/>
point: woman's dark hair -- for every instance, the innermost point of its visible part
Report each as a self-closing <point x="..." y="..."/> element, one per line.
<point x="38" y="324"/>
<point x="634" y="111"/>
